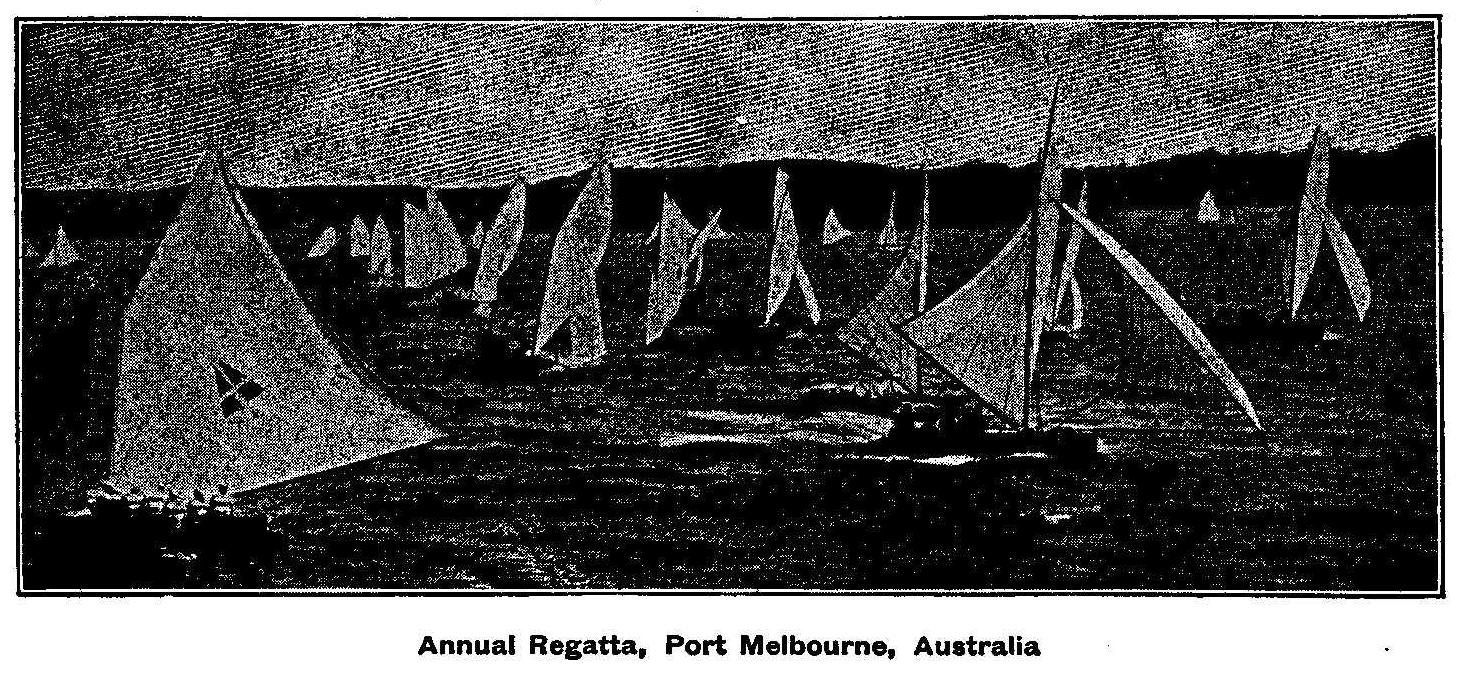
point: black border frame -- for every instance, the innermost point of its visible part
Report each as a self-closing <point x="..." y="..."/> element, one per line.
<point x="1439" y="593"/>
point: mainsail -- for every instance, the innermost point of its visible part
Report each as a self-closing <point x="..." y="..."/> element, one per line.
<point x="326" y="241"/>
<point x="1171" y="310"/>
<point x="872" y="332"/>
<point x="784" y="264"/>
<point x="62" y="253"/>
<point x="833" y="231"/>
<point x="224" y="377"/>
<point x="434" y="249"/>
<point x="667" y="285"/>
<point x="712" y="230"/>
<point x="1209" y="212"/>
<point x="360" y="238"/>
<point x="1315" y="219"/>
<point x="380" y="245"/>
<point x="1067" y="290"/>
<point x="571" y="281"/>
<point x="501" y="241"/>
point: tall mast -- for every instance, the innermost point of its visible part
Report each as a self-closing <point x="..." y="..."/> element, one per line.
<point x="921" y="276"/>
<point x="1032" y="255"/>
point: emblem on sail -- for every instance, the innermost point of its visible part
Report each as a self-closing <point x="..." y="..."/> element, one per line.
<point x="62" y="253"/>
<point x="1316" y="222"/>
<point x="784" y="264"/>
<point x="571" y="281"/>
<point x="434" y="248"/>
<point x="214" y="300"/>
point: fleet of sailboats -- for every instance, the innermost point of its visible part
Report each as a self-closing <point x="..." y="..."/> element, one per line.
<point x="234" y="384"/>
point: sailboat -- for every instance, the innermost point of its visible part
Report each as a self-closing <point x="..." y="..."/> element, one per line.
<point x="380" y="266"/>
<point x="1067" y="316"/>
<point x="1208" y="212"/>
<point x="784" y="263"/>
<point x="681" y="248"/>
<point x="360" y="238"/>
<point x="833" y="231"/>
<point x="889" y="237"/>
<point x="28" y="250"/>
<point x="1317" y="223"/>
<point x="497" y="248"/>
<point x="571" y="298"/>
<point x="324" y="243"/>
<point x="987" y="335"/>
<point x="434" y="249"/>
<point x="62" y="252"/>
<point x="225" y="380"/>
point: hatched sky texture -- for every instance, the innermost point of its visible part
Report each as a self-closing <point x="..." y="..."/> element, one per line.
<point x="451" y="104"/>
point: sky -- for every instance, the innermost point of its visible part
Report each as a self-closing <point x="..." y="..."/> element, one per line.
<point x="471" y="104"/>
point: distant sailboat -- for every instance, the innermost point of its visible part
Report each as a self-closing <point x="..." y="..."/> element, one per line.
<point x="571" y="298"/>
<point x="326" y="241"/>
<point x="712" y="230"/>
<point x="498" y="248"/>
<point x="1208" y="211"/>
<point x="224" y="377"/>
<point x="784" y="264"/>
<point x="1068" y="315"/>
<point x="360" y="238"/>
<point x="889" y="238"/>
<point x="1316" y="222"/>
<point x="679" y="244"/>
<point x="434" y="248"/>
<point x="28" y="250"/>
<point x="872" y="331"/>
<point x="62" y="253"/>
<point x="833" y="231"/>
<point x="380" y="251"/>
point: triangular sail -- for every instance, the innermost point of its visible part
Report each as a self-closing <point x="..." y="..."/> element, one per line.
<point x="434" y="248"/>
<point x="214" y="307"/>
<point x="360" y="238"/>
<point x="783" y="263"/>
<point x="571" y="281"/>
<point x="1066" y="280"/>
<point x="62" y="253"/>
<point x="326" y="241"/>
<point x="712" y="230"/>
<point x="501" y="242"/>
<point x="833" y="231"/>
<point x="977" y="334"/>
<point x="1171" y="310"/>
<point x="1312" y="217"/>
<point x="380" y="245"/>
<point x="1349" y="265"/>
<point x="1208" y="212"/>
<point x="872" y="332"/>
<point x="1048" y="225"/>
<point x="667" y="284"/>
<point x="28" y="250"/>
<point x="806" y="288"/>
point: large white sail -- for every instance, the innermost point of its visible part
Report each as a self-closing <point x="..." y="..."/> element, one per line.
<point x="224" y="377"/>
<point x="1208" y="212"/>
<point x="1171" y="310"/>
<point x="977" y="334"/>
<point x="501" y="242"/>
<point x="434" y="248"/>
<point x="712" y="230"/>
<point x="833" y="231"/>
<point x="571" y="281"/>
<point x="62" y="252"/>
<point x="872" y="332"/>
<point x="360" y="238"/>
<point x="1349" y="265"/>
<point x="326" y="241"/>
<point x="667" y="285"/>
<point x="784" y="264"/>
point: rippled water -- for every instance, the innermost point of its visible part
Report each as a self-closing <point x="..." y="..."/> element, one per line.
<point x="667" y="470"/>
